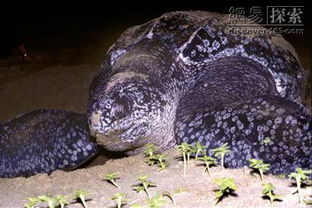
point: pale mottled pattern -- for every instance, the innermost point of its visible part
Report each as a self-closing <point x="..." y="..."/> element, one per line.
<point x="43" y="141"/>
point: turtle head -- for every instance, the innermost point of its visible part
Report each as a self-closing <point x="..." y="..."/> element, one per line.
<point x="124" y="113"/>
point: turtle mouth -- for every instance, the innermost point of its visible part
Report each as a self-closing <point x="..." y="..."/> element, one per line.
<point x="121" y="139"/>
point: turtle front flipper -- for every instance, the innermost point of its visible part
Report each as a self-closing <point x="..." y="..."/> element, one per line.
<point x="270" y="128"/>
<point x="43" y="141"/>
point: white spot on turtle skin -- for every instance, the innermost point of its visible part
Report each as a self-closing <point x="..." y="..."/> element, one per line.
<point x="272" y="108"/>
<point x="116" y="54"/>
<point x="278" y="120"/>
<point x="185" y="139"/>
<point x="73" y="158"/>
<point x="215" y="45"/>
<point x="150" y="34"/>
<point x="280" y="111"/>
<point x="95" y="119"/>
<point x="288" y="119"/>
<point x="240" y="125"/>
<point x="219" y="123"/>
<point x="199" y="48"/>
<point x="306" y="126"/>
<point x="193" y="53"/>
<point x="218" y="118"/>
<point x="234" y="118"/>
<point x="89" y="147"/>
<point x="180" y="134"/>
<point x="269" y="122"/>
<point x="293" y="122"/>
<point x="224" y="40"/>
<point x="79" y="143"/>
<point x="247" y="131"/>
<point x="217" y="131"/>
<point x="206" y="43"/>
<point x="65" y="162"/>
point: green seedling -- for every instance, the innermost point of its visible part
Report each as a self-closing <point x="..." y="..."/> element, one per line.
<point x="156" y="202"/>
<point x="150" y="150"/>
<point x="52" y="202"/>
<point x="307" y="202"/>
<point x="226" y="186"/>
<point x="81" y="195"/>
<point x="186" y="151"/>
<point x="260" y="166"/>
<point x="111" y="177"/>
<point x="136" y="205"/>
<point x="62" y="200"/>
<point x="181" y="190"/>
<point x="120" y="199"/>
<point x="144" y="185"/>
<point x="208" y="161"/>
<point x="199" y="149"/>
<point x="32" y="202"/>
<point x="281" y="176"/>
<point x="300" y="176"/>
<point x="268" y="192"/>
<point x="221" y="151"/>
<point x="158" y="159"/>
<point x="267" y="140"/>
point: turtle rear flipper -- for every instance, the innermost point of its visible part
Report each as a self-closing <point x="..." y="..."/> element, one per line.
<point x="270" y="128"/>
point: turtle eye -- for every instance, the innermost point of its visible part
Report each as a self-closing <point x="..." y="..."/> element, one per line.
<point x="122" y="107"/>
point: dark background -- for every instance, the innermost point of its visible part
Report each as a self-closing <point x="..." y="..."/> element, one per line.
<point x="49" y="13"/>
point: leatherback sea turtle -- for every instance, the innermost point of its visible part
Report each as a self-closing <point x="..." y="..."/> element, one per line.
<point x="183" y="77"/>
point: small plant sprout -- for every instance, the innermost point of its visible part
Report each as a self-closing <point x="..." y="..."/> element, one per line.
<point x="111" y="177"/>
<point x="144" y="185"/>
<point x="199" y="149"/>
<point x="136" y="205"/>
<point x="268" y="192"/>
<point x="186" y="151"/>
<point x="156" y="202"/>
<point x="308" y="202"/>
<point x="222" y="151"/>
<point x="52" y="202"/>
<point x="267" y="140"/>
<point x="120" y="199"/>
<point x="226" y="186"/>
<point x="81" y="195"/>
<point x="62" y="200"/>
<point x="32" y="202"/>
<point x="300" y="176"/>
<point x="208" y="161"/>
<point x="150" y="150"/>
<point x="260" y="166"/>
<point x="158" y="159"/>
